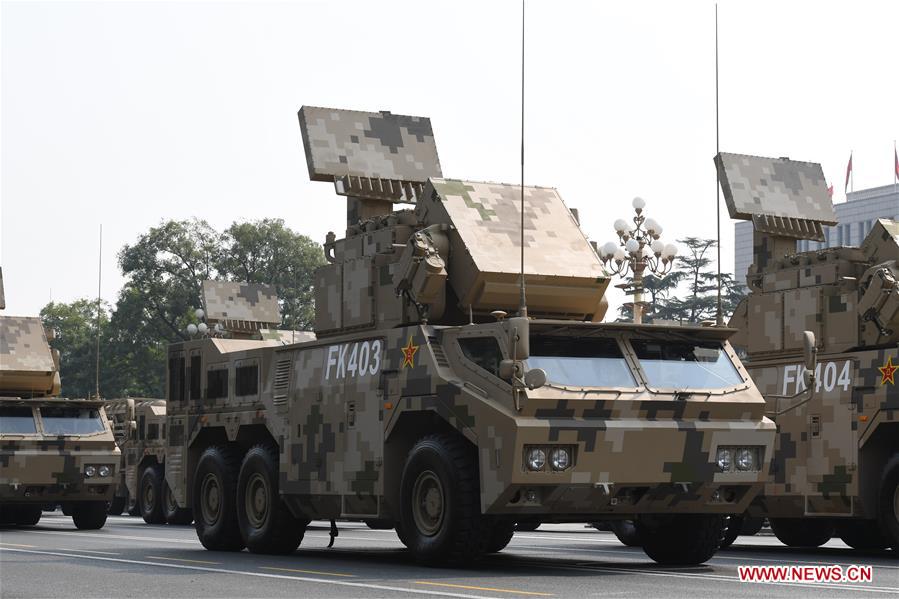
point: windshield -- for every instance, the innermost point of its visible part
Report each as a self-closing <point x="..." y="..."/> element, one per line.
<point x="578" y="362"/>
<point x="71" y="421"/>
<point x="685" y="365"/>
<point x="17" y="420"/>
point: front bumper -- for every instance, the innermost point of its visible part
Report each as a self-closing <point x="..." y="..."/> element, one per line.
<point x="35" y="475"/>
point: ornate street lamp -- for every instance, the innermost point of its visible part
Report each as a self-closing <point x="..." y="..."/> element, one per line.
<point x="638" y="250"/>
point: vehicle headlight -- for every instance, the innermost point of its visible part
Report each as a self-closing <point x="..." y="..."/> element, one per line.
<point x="89" y="471"/>
<point x="724" y="459"/>
<point x="559" y="459"/>
<point x="536" y="459"/>
<point x="745" y="459"/>
<point x="103" y="470"/>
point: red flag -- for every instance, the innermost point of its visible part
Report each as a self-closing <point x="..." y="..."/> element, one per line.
<point x="830" y="190"/>
<point x="848" y="172"/>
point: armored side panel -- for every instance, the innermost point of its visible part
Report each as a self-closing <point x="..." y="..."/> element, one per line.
<point x="27" y="364"/>
<point x="241" y="308"/>
<point x="882" y="242"/>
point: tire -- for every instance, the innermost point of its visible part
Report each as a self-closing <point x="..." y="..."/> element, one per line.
<point x="117" y="505"/>
<point x="751" y="526"/>
<point x="380" y="524"/>
<point x="215" y="499"/>
<point x="150" y="495"/>
<point x="89" y="515"/>
<point x="802" y="532"/>
<point x="864" y="535"/>
<point x="888" y="502"/>
<point x="528" y="526"/>
<point x="626" y="531"/>
<point x="170" y="510"/>
<point x="8" y="515"/>
<point x="500" y="536"/>
<point x="440" y="502"/>
<point x="733" y="528"/>
<point x="680" y="539"/>
<point x="266" y="523"/>
<point x="28" y="515"/>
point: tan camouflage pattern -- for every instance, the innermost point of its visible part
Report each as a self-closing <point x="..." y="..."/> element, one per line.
<point x="231" y="303"/>
<point x="44" y="468"/>
<point x="27" y="364"/>
<point x="386" y="368"/>
<point x="146" y="446"/>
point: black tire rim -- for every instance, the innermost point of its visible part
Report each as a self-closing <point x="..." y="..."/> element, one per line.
<point x="428" y="503"/>
<point x="149" y="496"/>
<point x="170" y="505"/>
<point x="256" y="500"/>
<point x="210" y="499"/>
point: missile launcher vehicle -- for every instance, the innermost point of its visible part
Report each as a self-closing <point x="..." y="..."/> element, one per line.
<point x="421" y="404"/>
<point x="836" y="459"/>
<point x="52" y="450"/>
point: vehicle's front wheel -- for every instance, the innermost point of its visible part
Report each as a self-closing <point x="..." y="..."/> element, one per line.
<point x="500" y="536"/>
<point x="215" y="499"/>
<point x="266" y="523"/>
<point x="440" y="502"/>
<point x="528" y="526"/>
<point x="89" y="515"/>
<point x="864" y="535"/>
<point x="380" y="524"/>
<point x="680" y="539"/>
<point x="626" y="531"/>
<point x="732" y="529"/>
<point x="150" y="497"/>
<point x="888" y="502"/>
<point x="174" y="514"/>
<point x="28" y="515"/>
<point x="802" y="532"/>
<point x="117" y="505"/>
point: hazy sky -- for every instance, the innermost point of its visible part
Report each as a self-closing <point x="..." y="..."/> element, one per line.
<point x="128" y="113"/>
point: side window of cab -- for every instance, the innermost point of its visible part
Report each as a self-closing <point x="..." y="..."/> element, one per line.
<point x="482" y="351"/>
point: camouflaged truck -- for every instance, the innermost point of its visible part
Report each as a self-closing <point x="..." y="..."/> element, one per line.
<point x="52" y="450"/>
<point x="422" y="405"/>
<point x="836" y="459"/>
<point x="139" y="426"/>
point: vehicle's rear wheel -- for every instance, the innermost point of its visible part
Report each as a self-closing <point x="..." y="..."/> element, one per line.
<point x="733" y="528"/>
<point x="528" y="526"/>
<point x="802" y="532"/>
<point x="174" y="514"/>
<point x="266" y="523"/>
<point x="888" y="502"/>
<point x="500" y="536"/>
<point x="150" y="497"/>
<point x="752" y="525"/>
<point x="440" y="502"/>
<point x="215" y="499"/>
<point x="626" y="531"/>
<point x="862" y="534"/>
<point x="28" y="515"/>
<point x="680" y="539"/>
<point x="89" y="515"/>
<point x="380" y="524"/>
<point x="117" y="505"/>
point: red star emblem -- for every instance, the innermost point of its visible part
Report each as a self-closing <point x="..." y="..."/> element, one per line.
<point x="888" y="372"/>
<point x="409" y="354"/>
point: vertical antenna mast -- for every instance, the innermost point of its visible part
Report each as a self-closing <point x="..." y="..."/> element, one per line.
<point x="99" y="287"/>
<point x="719" y="319"/>
<point x="522" y="302"/>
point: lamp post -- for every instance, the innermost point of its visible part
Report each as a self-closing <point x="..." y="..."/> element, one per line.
<point x="639" y="251"/>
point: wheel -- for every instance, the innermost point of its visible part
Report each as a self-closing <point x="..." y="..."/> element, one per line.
<point x="440" y="502"/>
<point x="215" y="499"/>
<point x="528" y="526"/>
<point x="751" y="526"/>
<point x="28" y="515"/>
<point x="380" y="524"/>
<point x="862" y="534"/>
<point x="680" y="539"/>
<point x="626" y="531"/>
<point x="802" y="532"/>
<point x="171" y="512"/>
<point x="117" y="506"/>
<point x="888" y="502"/>
<point x="150" y="497"/>
<point x="8" y="514"/>
<point x="89" y="515"/>
<point x="501" y="535"/>
<point x="266" y="523"/>
<point x="733" y="528"/>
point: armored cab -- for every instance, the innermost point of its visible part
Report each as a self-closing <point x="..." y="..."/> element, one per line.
<point x="52" y="450"/>
<point x="432" y="400"/>
<point x="836" y="461"/>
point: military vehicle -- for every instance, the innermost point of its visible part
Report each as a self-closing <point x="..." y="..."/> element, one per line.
<point x="836" y="460"/>
<point x="139" y="426"/>
<point x="421" y="403"/>
<point x="52" y="450"/>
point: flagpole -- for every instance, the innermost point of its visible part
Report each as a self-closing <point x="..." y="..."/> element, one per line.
<point x="852" y="174"/>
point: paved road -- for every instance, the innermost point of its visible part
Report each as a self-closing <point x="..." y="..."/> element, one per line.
<point x="128" y="558"/>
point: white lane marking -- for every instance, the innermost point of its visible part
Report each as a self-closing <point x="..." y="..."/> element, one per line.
<point x="88" y="551"/>
<point x="100" y="536"/>
<point x="363" y="585"/>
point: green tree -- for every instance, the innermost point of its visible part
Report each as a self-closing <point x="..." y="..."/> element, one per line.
<point x="693" y="268"/>
<point x="75" y="328"/>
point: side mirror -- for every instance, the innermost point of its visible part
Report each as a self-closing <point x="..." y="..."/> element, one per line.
<point x="535" y="378"/>
<point x="132" y="428"/>
<point x="509" y="369"/>
<point x="519" y="337"/>
<point x="129" y="410"/>
<point x="810" y="358"/>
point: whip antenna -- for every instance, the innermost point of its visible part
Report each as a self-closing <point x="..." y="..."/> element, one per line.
<point x="99" y="284"/>
<point x="522" y="302"/>
<point x="719" y="319"/>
